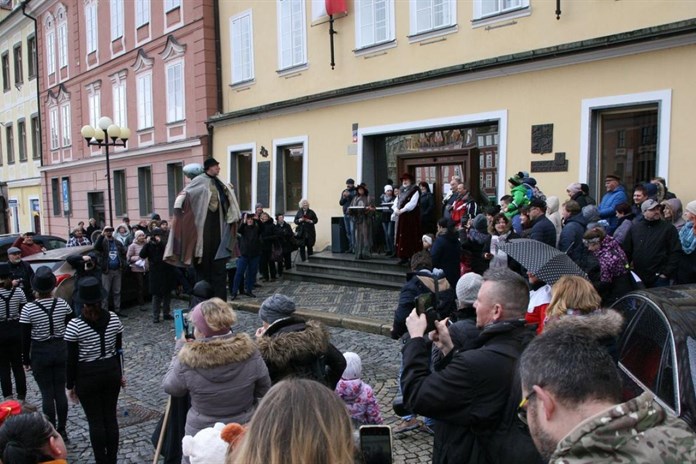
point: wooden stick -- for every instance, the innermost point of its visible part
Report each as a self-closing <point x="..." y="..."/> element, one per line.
<point x="162" y="431"/>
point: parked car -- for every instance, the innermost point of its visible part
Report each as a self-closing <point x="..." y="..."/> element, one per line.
<point x="657" y="348"/>
<point x="65" y="282"/>
<point x="50" y="242"/>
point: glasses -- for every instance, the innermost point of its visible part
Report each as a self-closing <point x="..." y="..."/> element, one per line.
<point x="522" y="408"/>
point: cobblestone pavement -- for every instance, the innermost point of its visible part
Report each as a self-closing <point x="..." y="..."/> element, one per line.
<point x="148" y="349"/>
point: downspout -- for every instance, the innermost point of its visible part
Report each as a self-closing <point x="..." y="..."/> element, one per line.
<point x="218" y="75"/>
<point x="38" y="96"/>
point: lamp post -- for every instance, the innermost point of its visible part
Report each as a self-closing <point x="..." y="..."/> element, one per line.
<point x="99" y="136"/>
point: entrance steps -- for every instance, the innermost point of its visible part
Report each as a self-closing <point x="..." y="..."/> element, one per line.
<point x="343" y="269"/>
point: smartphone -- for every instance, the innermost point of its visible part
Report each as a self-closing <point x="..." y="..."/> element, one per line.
<point x="376" y="444"/>
<point x="424" y="302"/>
<point x="182" y="323"/>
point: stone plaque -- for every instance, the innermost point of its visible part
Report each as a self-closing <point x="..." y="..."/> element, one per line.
<point x="542" y="138"/>
<point x="559" y="164"/>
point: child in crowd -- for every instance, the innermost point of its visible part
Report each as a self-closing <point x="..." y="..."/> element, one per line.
<point x="358" y="396"/>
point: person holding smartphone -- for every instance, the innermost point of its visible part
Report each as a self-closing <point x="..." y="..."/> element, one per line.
<point x="162" y="277"/>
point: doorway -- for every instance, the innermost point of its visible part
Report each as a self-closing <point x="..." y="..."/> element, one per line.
<point x="95" y="207"/>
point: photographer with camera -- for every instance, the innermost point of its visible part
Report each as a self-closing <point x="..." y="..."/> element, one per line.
<point x="85" y="266"/>
<point x="22" y="273"/>
<point x="162" y="276"/>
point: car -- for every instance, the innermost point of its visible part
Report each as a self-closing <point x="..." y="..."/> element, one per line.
<point x="56" y="259"/>
<point x="50" y="242"/>
<point x="657" y="347"/>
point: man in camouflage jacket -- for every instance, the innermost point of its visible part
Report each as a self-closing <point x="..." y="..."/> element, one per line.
<point x="572" y="393"/>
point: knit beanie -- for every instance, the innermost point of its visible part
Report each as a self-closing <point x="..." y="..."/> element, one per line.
<point x="388" y="188"/>
<point x="691" y="207"/>
<point x="480" y="223"/>
<point x="276" y="306"/>
<point x="468" y="287"/>
<point x="574" y="188"/>
<point x="353" y="366"/>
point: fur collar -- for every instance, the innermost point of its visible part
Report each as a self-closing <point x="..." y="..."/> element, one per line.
<point x="218" y="351"/>
<point x="600" y="324"/>
<point x="278" y="348"/>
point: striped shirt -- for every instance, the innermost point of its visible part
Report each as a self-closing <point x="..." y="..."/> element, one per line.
<point x="89" y="340"/>
<point x="11" y="302"/>
<point x="38" y="318"/>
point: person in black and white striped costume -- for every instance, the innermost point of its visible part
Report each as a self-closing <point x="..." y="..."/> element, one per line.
<point x="43" y="324"/>
<point x="11" y="301"/>
<point x="94" y="371"/>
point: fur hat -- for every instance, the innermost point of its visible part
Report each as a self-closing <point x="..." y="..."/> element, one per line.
<point x="206" y="447"/>
<point x="353" y="366"/>
<point x="276" y="306"/>
<point x="468" y="287"/>
<point x="44" y="280"/>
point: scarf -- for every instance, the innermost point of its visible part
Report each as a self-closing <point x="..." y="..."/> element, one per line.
<point x="687" y="238"/>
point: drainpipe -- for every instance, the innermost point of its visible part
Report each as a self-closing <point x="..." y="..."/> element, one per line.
<point x="218" y="75"/>
<point x="38" y="97"/>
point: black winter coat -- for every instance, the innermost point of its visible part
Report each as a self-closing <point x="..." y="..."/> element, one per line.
<point x="544" y="231"/>
<point x="416" y="285"/>
<point x="446" y="256"/>
<point x="161" y="274"/>
<point x="268" y="235"/>
<point x="249" y="240"/>
<point x="654" y="248"/>
<point x="570" y="241"/>
<point x="285" y="235"/>
<point x="468" y="391"/>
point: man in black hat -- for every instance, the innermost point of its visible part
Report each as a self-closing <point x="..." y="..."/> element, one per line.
<point x="346" y="198"/>
<point x="113" y="262"/>
<point x="203" y="230"/>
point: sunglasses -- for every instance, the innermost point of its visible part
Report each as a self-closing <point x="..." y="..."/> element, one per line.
<point x="522" y="408"/>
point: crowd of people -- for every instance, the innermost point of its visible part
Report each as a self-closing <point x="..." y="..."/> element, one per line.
<point x="508" y="363"/>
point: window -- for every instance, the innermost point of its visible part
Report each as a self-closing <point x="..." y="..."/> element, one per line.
<point x="65" y="124"/>
<point x="429" y="15"/>
<point x="374" y="22"/>
<point x="51" y="52"/>
<point x="22" y="140"/>
<point x="116" y="19"/>
<point x="171" y="4"/>
<point x="120" y="195"/>
<point x="292" y="176"/>
<point x="91" y="26"/>
<point x="292" y="33"/>
<point x="144" y="97"/>
<point x="63" y="45"/>
<point x="119" y="102"/>
<point x="142" y="12"/>
<point x="483" y="8"/>
<point x="32" y="63"/>
<point x="9" y="138"/>
<point x="6" y="71"/>
<point x="53" y="122"/>
<point x="145" y="190"/>
<point x="18" y="67"/>
<point x="35" y="137"/>
<point x="175" y="92"/>
<point x="242" y="46"/>
<point x="94" y="102"/>
<point x="175" y="183"/>
<point x="55" y="194"/>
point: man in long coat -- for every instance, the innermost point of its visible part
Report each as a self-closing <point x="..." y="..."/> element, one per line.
<point x="407" y="218"/>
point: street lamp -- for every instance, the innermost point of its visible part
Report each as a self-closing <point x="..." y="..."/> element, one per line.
<point x="99" y="136"/>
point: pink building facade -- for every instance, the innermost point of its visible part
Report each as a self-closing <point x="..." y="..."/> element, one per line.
<point x="149" y="66"/>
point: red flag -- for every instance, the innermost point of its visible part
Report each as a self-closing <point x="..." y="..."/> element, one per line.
<point x="335" y="6"/>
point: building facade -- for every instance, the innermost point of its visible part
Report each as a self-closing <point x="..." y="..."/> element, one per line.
<point x="21" y="204"/>
<point x="149" y="66"/>
<point x="479" y="88"/>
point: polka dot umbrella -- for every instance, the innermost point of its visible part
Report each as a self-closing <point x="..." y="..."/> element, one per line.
<point x="546" y="262"/>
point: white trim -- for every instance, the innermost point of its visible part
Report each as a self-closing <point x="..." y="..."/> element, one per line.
<point x="254" y="172"/>
<point x="663" y="98"/>
<point x="390" y="25"/>
<point x="292" y="66"/>
<point x="499" y="116"/>
<point x="169" y="108"/>
<point x="298" y="140"/>
<point x="413" y="18"/>
<point x="241" y="18"/>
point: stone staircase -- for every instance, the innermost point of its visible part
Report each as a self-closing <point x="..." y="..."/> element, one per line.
<point x="343" y="269"/>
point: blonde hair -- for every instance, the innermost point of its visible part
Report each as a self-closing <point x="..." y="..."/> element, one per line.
<point x="218" y="314"/>
<point x="573" y="293"/>
<point x="299" y="421"/>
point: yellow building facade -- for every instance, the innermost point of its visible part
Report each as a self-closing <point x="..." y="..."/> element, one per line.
<point x="480" y="88"/>
<point x="20" y="140"/>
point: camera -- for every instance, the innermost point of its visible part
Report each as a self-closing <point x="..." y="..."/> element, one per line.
<point x="424" y="305"/>
<point x="182" y="324"/>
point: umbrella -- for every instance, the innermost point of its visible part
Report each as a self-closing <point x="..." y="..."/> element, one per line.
<point x="546" y="262"/>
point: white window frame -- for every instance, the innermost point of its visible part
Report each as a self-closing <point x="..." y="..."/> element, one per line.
<point x="94" y="104"/>
<point x="62" y="35"/>
<point x="176" y="97"/>
<point x="142" y="13"/>
<point x="416" y="6"/>
<point x="54" y="128"/>
<point x="503" y="7"/>
<point x="120" y="112"/>
<point x="297" y="33"/>
<point x="169" y="5"/>
<point x="242" y="47"/>
<point x="51" y="52"/>
<point x="91" y="27"/>
<point x="65" y="123"/>
<point x="144" y="99"/>
<point x="117" y="19"/>
<point x="369" y="7"/>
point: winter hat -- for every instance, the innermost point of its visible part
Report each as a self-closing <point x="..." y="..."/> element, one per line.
<point x="529" y="181"/>
<point x="353" y="366"/>
<point x="203" y="289"/>
<point x="206" y="447"/>
<point x="388" y="188"/>
<point x="480" y="223"/>
<point x="276" y="306"/>
<point x="468" y="287"/>
<point x="427" y="239"/>
<point x="44" y="280"/>
<point x="691" y="207"/>
<point x="651" y="189"/>
<point x="574" y="188"/>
